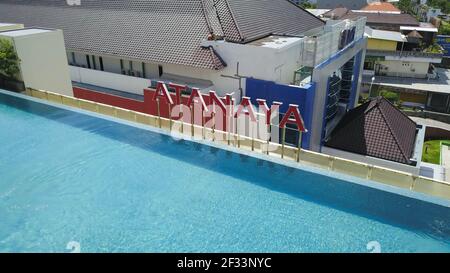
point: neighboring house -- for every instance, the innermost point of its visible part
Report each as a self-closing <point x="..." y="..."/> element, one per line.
<point x="392" y="54"/>
<point x="433" y="12"/>
<point x="378" y="133"/>
<point x="389" y="21"/>
<point x="384" y="21"/>
<point x="381" y="7"/>
<point x="350" y="4"/>
<point x="426" y="13"/>
<point x="165" y="40"/>
<point x="336" y="13"/>
<point x="377" y="20"/>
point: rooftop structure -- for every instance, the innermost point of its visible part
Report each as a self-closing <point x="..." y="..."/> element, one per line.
<point x="422" y="27"/>
<point x="382" y="7"/>
<point x="378" y="129"/>
<point x="384" y="35"/>
<point x="43" y="62"/>
<point x="152" y="30"/>
<point x="384" y="20"/>
<point x="351" y="4"/>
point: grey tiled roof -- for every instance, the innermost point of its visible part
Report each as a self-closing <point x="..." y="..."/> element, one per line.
<point x="256" y="18"/>
<point x="160" y="31"/>
<point x="378" y="129"/>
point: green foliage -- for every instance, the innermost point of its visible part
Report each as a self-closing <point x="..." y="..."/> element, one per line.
<point x="9" y="61"/>
<point x="444" y="5"/>
<point x="389" y="95"/>
<point x="432" y="151"/>
<point x="434" y="48"/>
<point x="307" y="5"/>
<point x="444" y="29"/>
<point x="405" y="5"/>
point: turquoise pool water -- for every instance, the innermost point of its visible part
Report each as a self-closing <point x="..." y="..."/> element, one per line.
<point x="66" y="176"/>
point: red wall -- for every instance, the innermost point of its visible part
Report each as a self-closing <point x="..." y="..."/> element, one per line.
<point x="148" y="106"/>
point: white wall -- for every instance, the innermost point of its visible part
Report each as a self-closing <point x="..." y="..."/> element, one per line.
<point x="109" y="80"/>
<point x="111" y="65"/>
<point x="277" y="64"/>
<point x="272" y="64"/>
<point x="43" y="61"/>
<point x="404" y="69"/>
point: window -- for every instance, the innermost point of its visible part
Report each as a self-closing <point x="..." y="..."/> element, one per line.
<point x="160" y="70"/>
<point x="131" y="65"/>
<point x="369" y="66"/>
<point x="143" y="70"/>
<point x="121" y="67"/>
<point x="438" y="102"/>
<point x="74" y="61"/>
<point x="88" y="61"/>
<point x="94" y="63"/>
<point x="101" y="63"/>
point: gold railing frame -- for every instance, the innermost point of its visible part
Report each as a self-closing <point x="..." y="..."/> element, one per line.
<point x="288" y="153"/>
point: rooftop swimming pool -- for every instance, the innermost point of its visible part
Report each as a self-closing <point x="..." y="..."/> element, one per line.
<point x="66" y="176"/>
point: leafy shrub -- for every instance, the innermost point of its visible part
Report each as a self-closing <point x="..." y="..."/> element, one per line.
<point x="389" y="95"/>
<point x="9" y="61"/>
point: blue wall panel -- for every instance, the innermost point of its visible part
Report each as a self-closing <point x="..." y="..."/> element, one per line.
<point x="287" y="94"/>
<point x="444" y="41"/>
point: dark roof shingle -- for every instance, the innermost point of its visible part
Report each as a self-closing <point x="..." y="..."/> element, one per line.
<point x="378" y="129"/>
<point x="376" y="18"/>
<point x="160" y="31"/>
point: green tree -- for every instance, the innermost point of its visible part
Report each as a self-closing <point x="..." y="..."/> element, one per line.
<point x="444" y="5"/>
<point x="9" y="61"/>
<point x="405" y="5"/>
<point x="444" y="29"/>
<point x="306" y="4"/>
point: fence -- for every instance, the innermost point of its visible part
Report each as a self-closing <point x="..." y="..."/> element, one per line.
<point x="318" y="48"/>
<point x="288" y="153"/>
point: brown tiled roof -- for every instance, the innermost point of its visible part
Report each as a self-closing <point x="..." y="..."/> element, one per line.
<point x="378" y="129"/>
<point x="380" y="6"/>
<point x="160" y="31"/>
<point x="402" y="19"/>
<point x="415" y="34"/>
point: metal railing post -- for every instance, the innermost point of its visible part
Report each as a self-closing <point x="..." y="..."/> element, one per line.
<point x="159" y="113"/>
<point x="299" y="147"/>
<point x="282" y="141"/>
